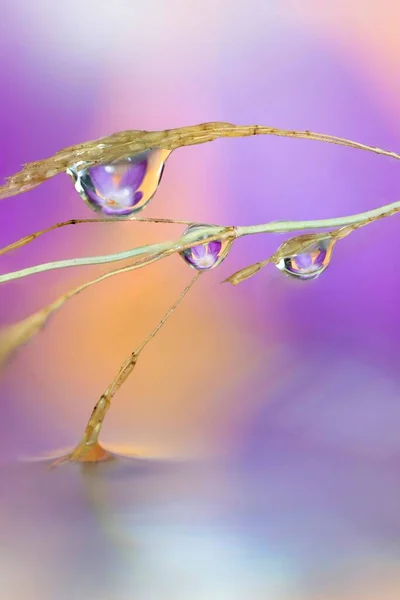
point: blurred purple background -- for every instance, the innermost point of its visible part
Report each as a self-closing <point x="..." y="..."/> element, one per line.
<point x="285" y="394"/>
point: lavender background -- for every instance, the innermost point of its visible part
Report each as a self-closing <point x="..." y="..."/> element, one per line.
<point x="280" y="400"/>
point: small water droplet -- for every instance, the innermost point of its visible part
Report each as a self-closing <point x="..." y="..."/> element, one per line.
<point x="311" y="262"/>
<point x="203" y="257"/>
<point x="121" y="187"/>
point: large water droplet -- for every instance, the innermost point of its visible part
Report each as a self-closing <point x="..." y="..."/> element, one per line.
<point x="205" y="256"/>
<point x="121" y="187"/>
<point x="310" y="262"/>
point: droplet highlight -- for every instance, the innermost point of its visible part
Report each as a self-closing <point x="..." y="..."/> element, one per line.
<point x="311" y="262"/>
<point x="204" y="257"/>
<point x="121" y="187"/>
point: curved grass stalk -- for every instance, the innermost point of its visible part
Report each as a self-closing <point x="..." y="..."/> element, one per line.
<point x="126" y="143"/>
<point x="33" y="236"/>
<point x="89" y="449"/>
<point x="224" y="232"/>
<point x="299" y="244"/>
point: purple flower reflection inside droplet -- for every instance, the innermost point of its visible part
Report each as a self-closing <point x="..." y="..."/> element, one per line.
<point x="204" y="256"/>
<point x="113" y="188"/>
<point x="310" y="263"/>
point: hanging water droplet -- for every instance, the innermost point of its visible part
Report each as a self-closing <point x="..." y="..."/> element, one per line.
<point x="203" y="257"/>
<point x="121" y="187"/>
<point x="310" y="262"/>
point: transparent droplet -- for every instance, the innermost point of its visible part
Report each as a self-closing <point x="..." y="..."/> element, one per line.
<point x="121" y="187"/>
<point x="205" y="256"/>
<point x="309" y="263"/>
